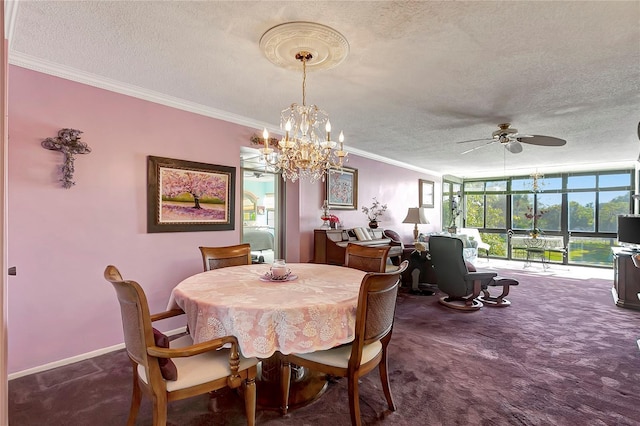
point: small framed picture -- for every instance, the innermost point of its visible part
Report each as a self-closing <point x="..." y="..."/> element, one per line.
<point x="342" y="188"/>
<point x="426" y="193"/>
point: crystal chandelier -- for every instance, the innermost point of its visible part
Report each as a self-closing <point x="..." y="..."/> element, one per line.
<point x="303" y="152"/>
<point x="306" y="150"/>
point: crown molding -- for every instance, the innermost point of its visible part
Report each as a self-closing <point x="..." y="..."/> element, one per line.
<point x="381" y="159"/>
<point x="68" y="73"/>
<point x="51" y="68"/>
<point x="73" y="74"/>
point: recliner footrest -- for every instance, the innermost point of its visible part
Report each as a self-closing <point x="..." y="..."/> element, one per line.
<point x="500" y="301"/>
<point x="501" y="281"/>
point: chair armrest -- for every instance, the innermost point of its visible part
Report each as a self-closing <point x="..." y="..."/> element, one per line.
<point x="233" y="380"/>
<point x="196" y="349"/>
<point x="481" y="276"/>
<point x="166" y="314"/>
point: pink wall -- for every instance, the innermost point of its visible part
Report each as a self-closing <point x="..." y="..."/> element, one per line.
<point x="60" y="239"/>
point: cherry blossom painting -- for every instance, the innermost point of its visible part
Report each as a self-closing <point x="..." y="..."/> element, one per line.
<point x="189" y="196"/>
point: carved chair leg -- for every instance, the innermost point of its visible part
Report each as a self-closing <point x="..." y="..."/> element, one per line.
<point x="354" y="400"/>
<point x="384" y="377"/>
<point x="159" y="409"/>
<point x="136" y="397"/>
<point x="250" y="400"/>
<point x="285" y="383"/>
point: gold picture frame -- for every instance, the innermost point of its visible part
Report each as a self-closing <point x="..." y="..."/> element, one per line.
<point x="342" y="188"/>
<point x="185" y="196"/>
<point x="426" y="195"/>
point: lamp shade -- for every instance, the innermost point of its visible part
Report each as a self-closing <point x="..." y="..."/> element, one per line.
<point x="415" y="215"/>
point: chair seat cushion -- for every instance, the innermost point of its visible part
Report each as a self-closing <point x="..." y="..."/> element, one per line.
<point x="339" y="356"/>
<point x="201" y="368"/>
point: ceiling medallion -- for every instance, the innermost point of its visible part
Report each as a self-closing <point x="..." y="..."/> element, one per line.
<point x="283" y="42"/>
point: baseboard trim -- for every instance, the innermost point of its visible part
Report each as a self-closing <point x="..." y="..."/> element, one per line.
<point x="81" y="357"/>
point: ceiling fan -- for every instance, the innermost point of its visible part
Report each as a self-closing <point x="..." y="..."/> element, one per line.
<point x="511" y="139"/>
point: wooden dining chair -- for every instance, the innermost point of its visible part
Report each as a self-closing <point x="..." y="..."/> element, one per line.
<point x="169" y="371"/>
<point x="222" y="257"/>
<point x="366" y="258"/>
<point x="374" y="323"/>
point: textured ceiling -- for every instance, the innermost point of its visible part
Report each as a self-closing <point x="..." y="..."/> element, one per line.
<point x="420" y="76"/>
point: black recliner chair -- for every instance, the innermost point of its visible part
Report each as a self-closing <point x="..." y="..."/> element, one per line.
<point x="462" y="284"/>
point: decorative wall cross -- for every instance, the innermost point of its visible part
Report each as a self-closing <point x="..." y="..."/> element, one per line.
<point x="68" y="143"/>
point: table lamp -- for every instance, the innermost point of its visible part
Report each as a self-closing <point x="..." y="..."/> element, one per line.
<point x="415" y="215"/>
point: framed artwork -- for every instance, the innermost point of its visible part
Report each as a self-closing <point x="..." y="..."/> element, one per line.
<point x="426" y="193"/>
<point x="185" y="196"/>
<point x="342" y="188"/>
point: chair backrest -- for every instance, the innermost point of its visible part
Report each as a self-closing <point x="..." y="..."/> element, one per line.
<point x="376" y="309"/>
<point x="366" y="258"/>
<point x="136" y="319"/>
<point x="222" y="257"/>
<point x="448" y="262"/>
<point x="475" y="233"/>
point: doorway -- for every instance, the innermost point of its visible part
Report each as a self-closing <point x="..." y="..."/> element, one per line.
<point x="262" y="218"/>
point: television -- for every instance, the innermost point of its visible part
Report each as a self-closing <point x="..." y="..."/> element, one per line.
<point x="629" y="231"/>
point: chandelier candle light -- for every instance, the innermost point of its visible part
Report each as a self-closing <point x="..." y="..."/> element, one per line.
<point x="302" y="152"/>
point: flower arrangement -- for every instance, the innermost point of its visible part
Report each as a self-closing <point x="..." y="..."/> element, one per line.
<point x="530" y="214"/>
<point x="330" y="220"/>
<point x="376" y="209"/>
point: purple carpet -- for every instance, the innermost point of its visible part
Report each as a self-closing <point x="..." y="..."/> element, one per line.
<point x="562" y="354"/>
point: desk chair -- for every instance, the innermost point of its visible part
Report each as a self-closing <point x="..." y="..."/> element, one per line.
<point x="169" y="371"/>
<point x="222" y="257"/>
<point x="374" y="324"/>
<point x="366" y="258"/>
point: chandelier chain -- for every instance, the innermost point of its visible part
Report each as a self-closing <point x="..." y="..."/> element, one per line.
<point x="304" y="81"/>
<point x="304" y="57"/>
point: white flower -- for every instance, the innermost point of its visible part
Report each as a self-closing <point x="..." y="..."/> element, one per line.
<point x="375" y="210"/>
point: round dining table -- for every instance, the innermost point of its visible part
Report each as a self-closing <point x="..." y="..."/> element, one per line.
<point x="315" y="309"/>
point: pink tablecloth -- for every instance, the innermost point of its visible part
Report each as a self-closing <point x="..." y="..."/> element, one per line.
<point x="316" y="311"/>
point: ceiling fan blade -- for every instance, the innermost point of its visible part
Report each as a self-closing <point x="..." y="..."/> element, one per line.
<point x="477" y="140"/>
<point x="477" y="147"/>
<point x="542" y="140"/>
<point x="513" y="147"/>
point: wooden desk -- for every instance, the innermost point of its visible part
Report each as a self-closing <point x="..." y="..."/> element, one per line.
<point x="314" y="312"/>
<point x="330" y="245"/>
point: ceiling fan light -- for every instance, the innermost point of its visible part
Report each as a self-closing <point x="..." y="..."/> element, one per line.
<point x="514" y="147"/>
